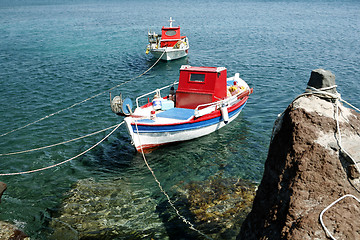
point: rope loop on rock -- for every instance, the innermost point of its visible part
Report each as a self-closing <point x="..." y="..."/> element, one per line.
<point x="322" y="91"/>
<point x="332" y="204"/>
<point x="337" y="98"/>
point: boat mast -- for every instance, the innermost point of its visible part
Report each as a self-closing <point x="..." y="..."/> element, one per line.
<point x="171" y="21"/>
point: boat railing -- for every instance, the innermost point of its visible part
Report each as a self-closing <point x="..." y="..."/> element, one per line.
<point x="171" y="40"/>
<point x="206" y="108"/>
<point x="157" y="91"/>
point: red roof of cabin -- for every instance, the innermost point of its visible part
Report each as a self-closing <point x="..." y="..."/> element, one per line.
<point x="201" y="69"/>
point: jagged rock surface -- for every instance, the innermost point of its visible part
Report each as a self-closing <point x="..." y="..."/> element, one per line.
<point x="304" y="173"/>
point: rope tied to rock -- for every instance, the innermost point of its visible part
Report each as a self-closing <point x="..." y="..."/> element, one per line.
<point x="337" y="98"/>
<point x="322" y="92"/>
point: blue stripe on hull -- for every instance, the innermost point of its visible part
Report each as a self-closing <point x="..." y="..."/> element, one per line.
<point x="185" y="126"/>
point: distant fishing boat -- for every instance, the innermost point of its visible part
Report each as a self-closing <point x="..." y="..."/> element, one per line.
<point x="205" y="101"/>
<point x="169" y="44"/>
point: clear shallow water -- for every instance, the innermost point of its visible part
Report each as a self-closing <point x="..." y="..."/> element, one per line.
<point x="54" y="54"/>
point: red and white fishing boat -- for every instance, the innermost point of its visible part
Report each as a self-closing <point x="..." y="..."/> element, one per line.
<point x="169" y="44"/>
<point x="205" y="101"/>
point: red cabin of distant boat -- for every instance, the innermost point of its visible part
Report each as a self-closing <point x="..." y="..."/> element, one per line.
<point x="200" y="85"/>
<point x="170" y="36"/>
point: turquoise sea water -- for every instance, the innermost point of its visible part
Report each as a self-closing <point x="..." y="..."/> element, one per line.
<point x="57" y="53"/>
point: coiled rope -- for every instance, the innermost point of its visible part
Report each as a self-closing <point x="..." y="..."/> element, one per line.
<point x="68" y="160"/>
<point x="191" y="226"/>
<point x="78" y="103"/>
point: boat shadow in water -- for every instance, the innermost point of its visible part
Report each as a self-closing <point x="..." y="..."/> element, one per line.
<point x="112" y="155"/>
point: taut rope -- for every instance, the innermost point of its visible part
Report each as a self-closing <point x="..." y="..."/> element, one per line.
<point x="57" y="144"/>
<point x="78" y="103"/>
<point x="191" y="226"/>
<point x="68" y="160"/>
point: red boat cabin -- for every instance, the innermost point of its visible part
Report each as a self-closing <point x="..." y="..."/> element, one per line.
<point x="200" y="85"/>
<point x="170" y="36"/>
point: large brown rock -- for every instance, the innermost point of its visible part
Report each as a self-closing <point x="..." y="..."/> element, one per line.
<point x="304" y="173"/>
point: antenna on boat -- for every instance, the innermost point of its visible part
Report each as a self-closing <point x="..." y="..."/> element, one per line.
<point x="171" y="21"/>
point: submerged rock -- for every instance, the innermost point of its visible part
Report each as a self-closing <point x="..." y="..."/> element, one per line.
<point x="7" y="230"/>
<point x="11" y="232"/>
<point x="305" y="172"/>
<point x="218" y="206"/>
<point x="107" y="210"/>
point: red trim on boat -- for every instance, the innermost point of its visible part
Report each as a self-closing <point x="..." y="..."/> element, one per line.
<point x="215" y="114"/>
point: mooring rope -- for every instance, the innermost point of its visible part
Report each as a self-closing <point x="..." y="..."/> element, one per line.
<point x="57" y="144"/>
<point x="78" y="103"/>
<point x="68" y="160"/>
<point x="191" y="226"/>
<point x="337" y="98"/>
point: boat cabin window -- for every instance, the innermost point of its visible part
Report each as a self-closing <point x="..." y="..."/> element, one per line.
<point x="197" y="77"/>
<point x="170" y="33"/>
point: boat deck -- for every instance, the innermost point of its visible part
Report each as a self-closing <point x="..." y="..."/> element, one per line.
<point x="173" y="115"/>
<point x="183" y="114"/>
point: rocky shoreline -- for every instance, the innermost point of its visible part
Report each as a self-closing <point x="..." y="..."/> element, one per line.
<point x="306" y="171"/>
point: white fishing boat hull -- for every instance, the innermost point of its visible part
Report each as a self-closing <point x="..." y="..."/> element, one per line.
<point x="170" y="53"/>
<point x="151" y="137"/>
<point x="154" y="139"/>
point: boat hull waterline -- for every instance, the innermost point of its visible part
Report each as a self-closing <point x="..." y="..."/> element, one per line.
<point x="168" y="54"/>
<point x="156" y="136"/>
